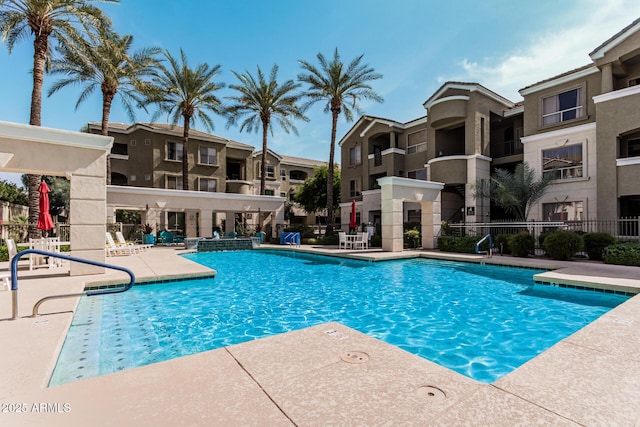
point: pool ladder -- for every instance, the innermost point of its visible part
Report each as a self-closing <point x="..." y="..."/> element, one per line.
<point x="488" y="252"/>
<point x="14" y="280"/>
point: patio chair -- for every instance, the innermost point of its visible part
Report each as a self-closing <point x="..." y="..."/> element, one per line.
<point x="5" y="278"/>
<point x="36" y="260"/>
<point x="122" y="242"/>
<point x="362" y="241"/>
<point x="166" y="238"/>
<point x="342" y="240"/>
<point x="113" y="250"/>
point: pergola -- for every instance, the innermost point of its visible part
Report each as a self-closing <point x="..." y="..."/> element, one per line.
<point x="81" y="157"/>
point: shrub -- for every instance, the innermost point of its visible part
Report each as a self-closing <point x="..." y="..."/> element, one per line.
<point x="412" y="238"/>
<point x="562" y="245"/>
<point x="594" y="244"/>
<point x="543" y="236"/>
<point x="502" y="239"/>
<point x="465" y="245"/>
<point x="376" y="241"/>
<point x="521" y="244"/>
<point x="328" y="240"/>
<point x="622" y="254"/>
<point x="4" y="255"/>
<point x="308" y="241"/>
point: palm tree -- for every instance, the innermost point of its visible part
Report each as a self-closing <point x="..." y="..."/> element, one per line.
<point x="104" y="62"/>
<point x="516" y="191"/>
<point x="334" y="83"/>
<point x="58" y="19"/>
<point x="259" y="101"/>
<point x="184" y="92"/>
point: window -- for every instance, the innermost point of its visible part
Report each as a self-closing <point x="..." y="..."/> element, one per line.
<point x="121" y="149"/>
<point x="634" y="81"/>
<point x="271" y="171"/>
<point x="283" y="195"/>
<point x="420" y="174"/>
<point x="174" y="182"/>
<point x="562" y="107"/>
<point x="268" y="192"/>
<point x="207" y="184"/>
<point x="562" y="211"/>
<point x="563" y="163"/>
<point x="633" y="148"/>
<point x="283" y="174"/>
<point x="354" y="155"/>
<point x="417" y="141"/>
<point x="353" y="188"/>
<point x="208" y="156"/>
<point x="174" y="151"/>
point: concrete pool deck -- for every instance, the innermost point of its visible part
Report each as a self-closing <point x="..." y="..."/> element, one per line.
<point x="324" y="375"/>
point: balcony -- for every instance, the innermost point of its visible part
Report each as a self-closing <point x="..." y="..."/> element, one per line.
<point x="446" y="111"/>
<point x="449" y="169"/>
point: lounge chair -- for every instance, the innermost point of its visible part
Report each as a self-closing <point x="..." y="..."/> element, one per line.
<point x="113" y="250"/>
<point x="122" y="242"/>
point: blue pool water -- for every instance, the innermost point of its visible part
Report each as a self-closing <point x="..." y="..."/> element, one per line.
<point x="481" y="321"/>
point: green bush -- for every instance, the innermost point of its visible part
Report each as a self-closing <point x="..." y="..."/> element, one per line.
<point x="308" y="241"/>
<point x="521" y="244"/>
<point x="594" y="244"/>
<point x="412" y="238"/>
<point x="328" y="240"/>
<point x="562" y="245"/>
<point x="502" y="239"/>
<point x="376" y="241"/>
<point x="543" y="236"/>
<point x="622" y="254"/>
<point x="4" y="255"/>
<point x="465" y="245"/>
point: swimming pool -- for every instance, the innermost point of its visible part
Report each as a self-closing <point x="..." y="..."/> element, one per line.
<point x="481" y="321"/>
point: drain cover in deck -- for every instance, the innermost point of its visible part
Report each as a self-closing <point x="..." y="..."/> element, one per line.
<point x="431" y="394"/>
<point x="354" y="357"/>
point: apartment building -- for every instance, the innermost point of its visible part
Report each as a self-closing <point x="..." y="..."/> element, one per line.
<point x="582" y="127"/>
<point x="150" y="155"/>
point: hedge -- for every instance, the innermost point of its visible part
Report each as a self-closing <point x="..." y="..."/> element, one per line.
<point x="562" y="245"/>
<point x="622" y="254"/>
<point x="595" y="243"/>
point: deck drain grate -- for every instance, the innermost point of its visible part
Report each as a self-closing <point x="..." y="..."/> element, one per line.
<point x="431" y="394"/>
<point x="354" y="357"/>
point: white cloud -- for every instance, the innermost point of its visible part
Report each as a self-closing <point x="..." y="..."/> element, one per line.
<point x="552" y="51"/>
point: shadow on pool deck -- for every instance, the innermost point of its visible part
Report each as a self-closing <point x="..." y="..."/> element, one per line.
<point x="307" y="377"/>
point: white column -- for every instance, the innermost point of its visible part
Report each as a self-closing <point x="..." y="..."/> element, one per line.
<point x="392" y="221"/>
<point x="206" y="219"/>
<point x="431" y="222"/>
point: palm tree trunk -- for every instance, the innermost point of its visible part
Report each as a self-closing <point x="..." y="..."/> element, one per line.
<point x="330" y="209"/>
<point x="263" y="163"/>
<point x="185" y="158"/>
<point x="40" y="49"/>
<point x="107" y="99"/>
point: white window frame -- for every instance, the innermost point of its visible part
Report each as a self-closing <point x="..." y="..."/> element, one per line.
<point x="270" y="171"/>
<point x="178" y="182"/>
<point x="417" y="147"/>
<point x="578" y="211"/>
<point x="357" y="149"/>
<point x="208" y="156"/>
<point x="354" y="190"/>
<point x="548" y="118"/>
<point x="570" y="171"/>
<point x="201" y="180"/>
<point x="178" y="150"/>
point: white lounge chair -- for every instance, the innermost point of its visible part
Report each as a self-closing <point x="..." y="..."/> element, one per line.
<point x="113" y="250"/>
<point x="122" y="242"/>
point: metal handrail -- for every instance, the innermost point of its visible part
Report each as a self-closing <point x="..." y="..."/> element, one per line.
<point x="14" y="279"/>
<point x="488" y="236"/>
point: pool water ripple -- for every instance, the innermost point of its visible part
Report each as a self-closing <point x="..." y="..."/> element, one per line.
<point x="481" y="321"/>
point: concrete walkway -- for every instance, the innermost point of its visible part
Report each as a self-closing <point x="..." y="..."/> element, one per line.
<point x="324" y="375"/>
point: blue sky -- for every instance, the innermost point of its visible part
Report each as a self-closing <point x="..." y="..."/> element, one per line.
<point x="416" y="45"/>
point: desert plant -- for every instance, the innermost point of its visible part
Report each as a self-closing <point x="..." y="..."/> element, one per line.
<point x="562" y="245"/>
<point x="521" y="244"/>
<point x="147" y="228"/>
<point x="594" y="244"/>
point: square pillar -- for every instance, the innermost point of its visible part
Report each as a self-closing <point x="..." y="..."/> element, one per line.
<point x="392" y="225"/>
<point x="206" y="221"/>
<point x="88" y="210"/>
<point x="431" y="223"/>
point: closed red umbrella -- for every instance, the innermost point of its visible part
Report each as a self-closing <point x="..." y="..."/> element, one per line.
<point x="44" y="218"/>
<point x="352" y="221"/>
